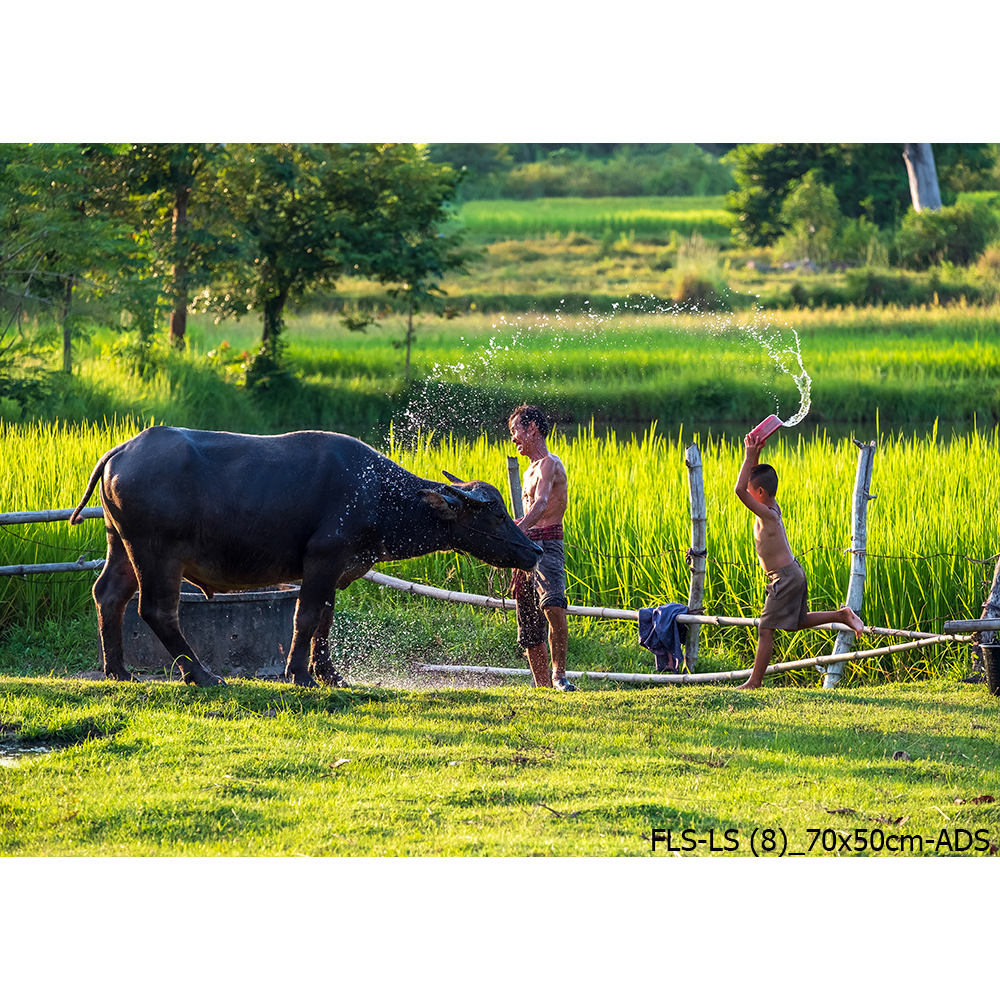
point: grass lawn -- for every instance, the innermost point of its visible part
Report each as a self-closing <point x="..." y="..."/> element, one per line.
<point x="259" y="768"/>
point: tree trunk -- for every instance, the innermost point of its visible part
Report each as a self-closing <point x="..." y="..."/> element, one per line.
<point x="924" y="190"/>
<point x="409" y="340"/>
<point x="178" y="318"/>
<point x="273" y="323"/>
<point x="67" y="326"/>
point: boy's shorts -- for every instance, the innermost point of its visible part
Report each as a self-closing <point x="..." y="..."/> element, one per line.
<point x="787" y="602"/>
<point x="546" y="588"/>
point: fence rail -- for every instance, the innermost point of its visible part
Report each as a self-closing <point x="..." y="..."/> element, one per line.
<point x="46" y="517"/>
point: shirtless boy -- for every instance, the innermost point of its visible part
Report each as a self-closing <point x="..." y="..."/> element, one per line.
<point x="541" y="595"/>
<point x="787" y="603"/>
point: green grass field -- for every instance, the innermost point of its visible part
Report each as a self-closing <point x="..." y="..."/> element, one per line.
<point x="628" y="365"/>
<point x="649" y="216"/>
<point x="259" y="769"/>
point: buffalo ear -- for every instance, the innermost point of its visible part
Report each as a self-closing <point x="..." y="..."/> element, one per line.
<point x="451" y="478"/>
<point x="440" y="504"/>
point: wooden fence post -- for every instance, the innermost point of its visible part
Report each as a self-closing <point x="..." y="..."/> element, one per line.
<point x="697" y="554"/>
<point x="514" y="478"/>
<point x="859" y="554"/>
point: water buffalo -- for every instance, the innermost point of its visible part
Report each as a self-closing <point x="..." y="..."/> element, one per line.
<point x="237" y="511"/>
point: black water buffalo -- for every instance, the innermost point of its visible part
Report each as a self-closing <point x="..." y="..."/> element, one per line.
<point x="236" y="511"/>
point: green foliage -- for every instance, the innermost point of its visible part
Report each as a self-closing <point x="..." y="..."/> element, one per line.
<point x="988" y="267"/>
<point x="862" y="242"/>
<point x="189" y="233"/>
<point x="267" y="371"/>
<point x="682" y="169"/>
<point x="868" y="179"/>
<point x="812" y="220"/>
<point x="483" y="165"/>
<point x="958" y="234"/>
<point x="587" y="170"/>
<point x="312" y="213"/>
<point x="57" y="240"/>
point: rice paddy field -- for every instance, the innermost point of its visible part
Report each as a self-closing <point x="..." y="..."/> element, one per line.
<point x="653" y="216"/>
<point x="932" y="535"/>
<point x="629" y="365"/>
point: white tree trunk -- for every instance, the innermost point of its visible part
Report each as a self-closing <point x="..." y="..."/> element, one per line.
<point x="924" y="190"/>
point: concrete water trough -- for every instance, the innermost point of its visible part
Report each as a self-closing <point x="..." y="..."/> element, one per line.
<point x="244" y="634"/>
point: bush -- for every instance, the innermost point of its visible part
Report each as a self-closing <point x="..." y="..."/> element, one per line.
<point x="812" y="219"/>
<point x="988" y="264"/>
<point x="681" y="171"/>
<point x="956" y="234"/>
<point x="862" y="242"/>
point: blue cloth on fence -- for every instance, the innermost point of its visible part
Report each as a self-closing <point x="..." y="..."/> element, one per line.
<point x="663" y="635"/>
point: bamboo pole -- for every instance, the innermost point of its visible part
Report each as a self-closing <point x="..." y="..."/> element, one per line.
<point x="514" y="478"/>
<point x="72" y="567"/>
<point x="981" y="626"/>
<point x="44" y="516"/>
<point x="507" y="604"/>
<point x="705" y="678"/>
<point x="859" y="556"/>
<point x="696" y="554"/>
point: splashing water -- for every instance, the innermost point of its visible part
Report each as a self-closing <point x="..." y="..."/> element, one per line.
<point x="457" y="395"/>
<point x="787" y="356"/>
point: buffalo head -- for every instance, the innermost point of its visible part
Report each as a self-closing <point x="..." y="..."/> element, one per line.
<point x="477" y="519"/>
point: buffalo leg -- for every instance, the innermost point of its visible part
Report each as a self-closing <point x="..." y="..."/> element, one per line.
<point x="313" y="610"/>
<point x="320" y="662"/>
<point x="113" y="590"/>
<point x="159" y="604"/>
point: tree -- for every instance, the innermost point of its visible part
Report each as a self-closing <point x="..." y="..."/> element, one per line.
<point x="189" y="236"/>
<point x="482" y="164"/>
<point x="419" y="263"/>
<point x="868" y="179"/>
<point x="55" y="234"/>
<point x="311" y="214"/>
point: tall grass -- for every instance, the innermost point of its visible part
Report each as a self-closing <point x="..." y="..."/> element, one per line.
<point x="46" y="467"/>
<point x="627" y="527"/>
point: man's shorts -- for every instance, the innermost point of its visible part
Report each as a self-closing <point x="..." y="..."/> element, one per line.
<point x="546" y="588"/>
<point x="787" y="602"/>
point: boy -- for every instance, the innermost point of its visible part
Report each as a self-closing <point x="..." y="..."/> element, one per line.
<point x="541" y="595"/>
<point x="787" y="603"/>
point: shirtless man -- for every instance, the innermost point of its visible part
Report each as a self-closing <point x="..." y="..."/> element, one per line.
<point x="541" y="595"/>
<point x="787" y="603"/>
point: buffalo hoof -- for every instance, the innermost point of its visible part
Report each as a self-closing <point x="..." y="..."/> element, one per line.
<point x="203" y="679"/>
<point x="302" y="680"/>
<point x="120" y="675"/>
<point x="329" y="677"/>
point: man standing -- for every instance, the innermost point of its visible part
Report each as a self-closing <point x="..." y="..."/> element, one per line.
<point x="541" y="595"/>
